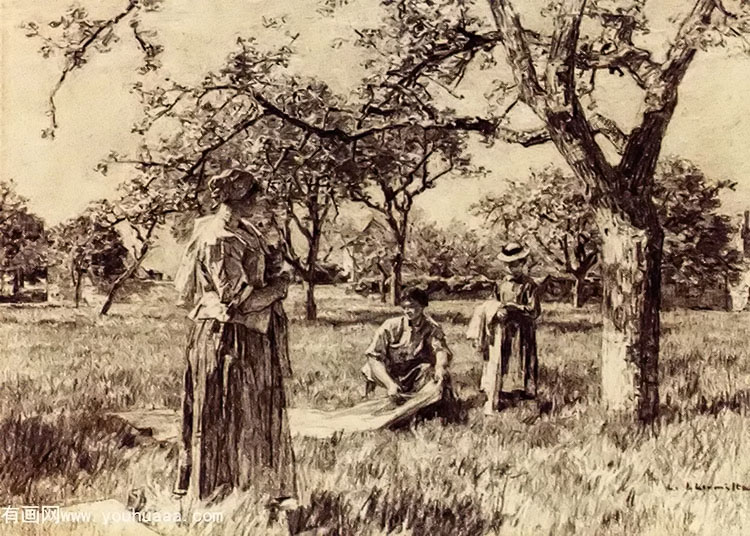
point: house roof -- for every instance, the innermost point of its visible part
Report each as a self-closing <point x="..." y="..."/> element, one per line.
<point x="373" y="224"/>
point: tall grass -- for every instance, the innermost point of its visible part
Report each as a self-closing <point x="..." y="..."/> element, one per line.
<point x="557" y="465"/>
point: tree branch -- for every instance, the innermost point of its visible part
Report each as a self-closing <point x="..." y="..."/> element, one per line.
<point x="609" y="129"/>
<point x="206" y="153"/>
<point x="641" y="153"/>
<point x="517" y="48"/>
<point x="74" y="58"/>
<point x="476" y="124"/>
<point x="619" y="52"/>
<point x="526" y="138"/>
<point x="560" y="72"/>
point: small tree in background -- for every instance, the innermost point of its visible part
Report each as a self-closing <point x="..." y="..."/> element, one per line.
<point x="23" y="242"/>
<point x="698" y="247"/>
<point x="549" y="212"/>
<point x="392" y="168"/>
<point x="90" y="244"/>
<point x="145" y="204"/>
<point x="225" y="121"/>
<point x="371" y="248"/>
<point x="454" y="250"/>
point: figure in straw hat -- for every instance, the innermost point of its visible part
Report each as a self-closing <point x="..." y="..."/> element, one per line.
<point x="504" y="331"/>
<point x="235" y="433"/>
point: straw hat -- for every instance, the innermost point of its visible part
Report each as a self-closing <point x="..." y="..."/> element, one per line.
<point x="513" y="251"/>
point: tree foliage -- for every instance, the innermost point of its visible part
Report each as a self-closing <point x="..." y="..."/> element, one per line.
<point x="551" y="71"/>
<point x="550" y="213"/>
<point x="454" y="250"/>
<point x="23" y="240"/>
<point x="90" y="244"/>
<point x="392" y="168"/>
<point x="698" y="241"/>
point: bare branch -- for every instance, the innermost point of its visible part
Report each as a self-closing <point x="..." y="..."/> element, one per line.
<point x="644" y="145"/>
<point x="526" y="138"/>
<point x="683" y="49"/>
<point x="476" y="124"/>
<point x="74" y="58"/>
<point x="619" y="52"/>
<point x="365" y="200"/>
<point x="298" y="222"/>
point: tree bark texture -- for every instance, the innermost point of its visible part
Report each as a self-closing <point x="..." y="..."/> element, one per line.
<point x="631" y="277"/>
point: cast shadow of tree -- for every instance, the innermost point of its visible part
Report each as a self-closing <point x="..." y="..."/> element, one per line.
<point x="389" y="510"/>
<point x="735" y="402"/>
<point x="342" y="317"/>
<point x="559" y="387"/>
<point x="570" y="326"/>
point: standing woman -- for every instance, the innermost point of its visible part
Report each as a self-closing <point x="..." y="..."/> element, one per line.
<point x="235" y="433"/>
<point x="505" y="333"/>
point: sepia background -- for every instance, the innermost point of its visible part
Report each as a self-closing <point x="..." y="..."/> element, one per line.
<point x="559" y="464"/>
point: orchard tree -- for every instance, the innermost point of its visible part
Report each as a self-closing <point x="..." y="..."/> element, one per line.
<point x="253" y="98"/>
<point x="454" y="250"/>
<point x="145" y="205"/>
<point x="393" y="168"/>
<point x="299" y="170"/>
<point x="90" y="244"/>
<point x="422" y="44"/>
<point x="371" y="247"/>
<point x="554" y="76"/>
<point x="303" y="173"/>
<point x="698" y="240"/>
<point x="549" y="212"/>
<point x="23" y="241"/>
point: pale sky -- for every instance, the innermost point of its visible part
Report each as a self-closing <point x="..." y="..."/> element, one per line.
<point x="95" y="109"/>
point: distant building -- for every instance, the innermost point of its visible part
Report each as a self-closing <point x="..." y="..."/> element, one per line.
<point x="739" y="291"/>
<point x="353" y="247"/>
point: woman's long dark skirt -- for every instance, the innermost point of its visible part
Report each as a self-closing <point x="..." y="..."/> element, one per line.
<point x="235" y="432"/>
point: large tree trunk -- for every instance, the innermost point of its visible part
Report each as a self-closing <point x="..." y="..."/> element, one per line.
<point x="631" y="277"/>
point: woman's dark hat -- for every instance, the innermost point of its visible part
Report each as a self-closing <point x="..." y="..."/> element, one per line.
<point x="512" y="252"/>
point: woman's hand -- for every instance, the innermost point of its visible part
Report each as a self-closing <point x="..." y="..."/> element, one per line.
<point x="263" y="297"/>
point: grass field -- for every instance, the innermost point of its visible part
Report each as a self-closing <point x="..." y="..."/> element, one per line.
<point x="554" y="466"/>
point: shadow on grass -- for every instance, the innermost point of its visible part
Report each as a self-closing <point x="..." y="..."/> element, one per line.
<point x="736" y="402"/>
<point x="570" y="326"/>
<point x="349" y="318"/>
<point x="560" y="387"/>
<point x="33" y="450"/>
<point x="390" y="511"/>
